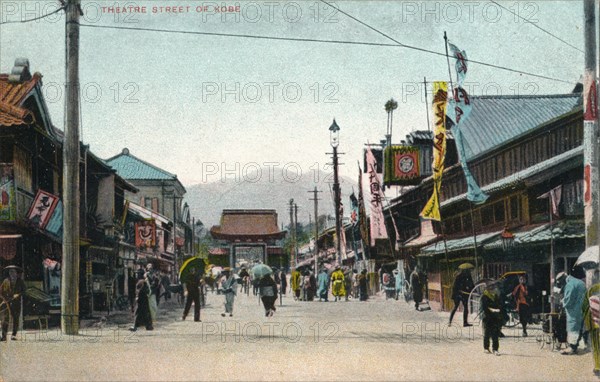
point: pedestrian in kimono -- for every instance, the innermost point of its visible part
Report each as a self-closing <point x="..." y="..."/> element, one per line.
<point x="229" y="290"/>
<point x="267" y="287"/>
<point x="154" y="285"/>
<point x="283" y="277"/>
<point x="399" y="281"/>
<point x="12" y="290"/>
<point x="337" y="284"/>
<point x="520" y="294"/>
<point x="309" y="287"/>
<point x="348" y="282"/>
<point x="355" y="284"/>
<point x="491" y="314"/>
<point x="323" y="282"/>
<point x="362" y="285"/>
<point x="142" y="316"/>
<point x="295" y="281"/>
<point x="574" y="294"/>
<point x="417" y="287"/>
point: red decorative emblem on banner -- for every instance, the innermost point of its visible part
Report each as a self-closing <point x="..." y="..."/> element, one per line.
<point x="407" y="165"/>
<point x="145" y="233"/>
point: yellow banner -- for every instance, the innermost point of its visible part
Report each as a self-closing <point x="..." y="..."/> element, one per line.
<point x="440" y="98"/>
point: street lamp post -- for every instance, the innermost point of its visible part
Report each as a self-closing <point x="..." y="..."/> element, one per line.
<point x="334" y="131"/>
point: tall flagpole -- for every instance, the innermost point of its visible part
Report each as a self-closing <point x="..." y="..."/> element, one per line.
<point x="448" y="60"/>
<point x="473" y="231"/>
<point x="426" y="103"/>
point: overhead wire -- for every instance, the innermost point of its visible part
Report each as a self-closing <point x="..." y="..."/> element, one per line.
<point x="365" y="43"/>
<point x="439" y="53"/>
<point x="297" y="39"/>
<point x="33" y="19"/>
<point x="537" y="26"/>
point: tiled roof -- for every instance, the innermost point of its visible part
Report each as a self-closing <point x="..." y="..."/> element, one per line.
<point x="247" y="223"/>
<point x="14" y="116"/>
<point x="12" y="95"/>
<point x="130" y="167"/>
<point x="563" y="229"/>
<point x="458" y="244"/>
<point x="497" y="120"/>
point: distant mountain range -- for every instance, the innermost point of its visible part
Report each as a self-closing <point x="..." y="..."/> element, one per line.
<point x="267" y="190"/>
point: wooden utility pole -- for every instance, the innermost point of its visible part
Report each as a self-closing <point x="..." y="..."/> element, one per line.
<point x="590" y="127"/>
<point x="296" y="230"/>
<point x="69" y="320"/>
<point x="337" y="197"/>
<point x="316" y="250"/>
<point x="293" y="257"/>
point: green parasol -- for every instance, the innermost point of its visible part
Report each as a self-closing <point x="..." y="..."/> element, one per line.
<point x="193" y="263"/>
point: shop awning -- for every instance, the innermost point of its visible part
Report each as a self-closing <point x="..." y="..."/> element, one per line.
<point x="542" y="234"/>
<point x="147" y="214"/>
<point x="458" y="244"/>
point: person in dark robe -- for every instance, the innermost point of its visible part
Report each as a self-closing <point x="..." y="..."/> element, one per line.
<point x="245" y="277"/>
<point x="142" y="303"/>
<point x="362" y="285"/>
<point x="491" y="313"/>
<point x="283" y="278"/>
<point x="461" y="288"/>
<point x="268" y="294"/>
<point x="417" y="287"/>
<point x="192" y="286"/>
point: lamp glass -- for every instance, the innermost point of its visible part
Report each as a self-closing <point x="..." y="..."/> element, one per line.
<point x="334" y="137"/>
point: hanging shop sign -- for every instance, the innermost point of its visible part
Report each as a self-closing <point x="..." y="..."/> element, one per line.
<point x="42" y="208"/>
<point x="402" y="165"/>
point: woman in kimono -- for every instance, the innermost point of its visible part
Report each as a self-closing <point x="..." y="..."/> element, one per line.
<point x="574" y="294"/>
<point x="229" y="290"/>
<point x="142" y="303"/>
<point x="268" y="294"/>
<point x="295" y="281"/>
<point x="417" y="287"/>
<point x="337" y="284"/>
<point x="362" y="285"/>
<point x="399" y="282"/>
<point x="323" y="281"/>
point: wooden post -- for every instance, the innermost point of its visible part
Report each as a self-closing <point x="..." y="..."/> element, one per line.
<point x="69" y="320"/>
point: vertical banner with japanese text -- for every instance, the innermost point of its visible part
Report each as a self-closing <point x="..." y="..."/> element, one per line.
<point x="459" y="108"/>
<point x="440" y="98"/>
<point x="378" y="230"/>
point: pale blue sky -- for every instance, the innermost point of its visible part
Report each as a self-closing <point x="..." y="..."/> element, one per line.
<point x="178" y="124"/>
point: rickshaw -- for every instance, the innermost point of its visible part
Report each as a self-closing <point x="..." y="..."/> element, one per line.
<point x="508" y="281"/>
